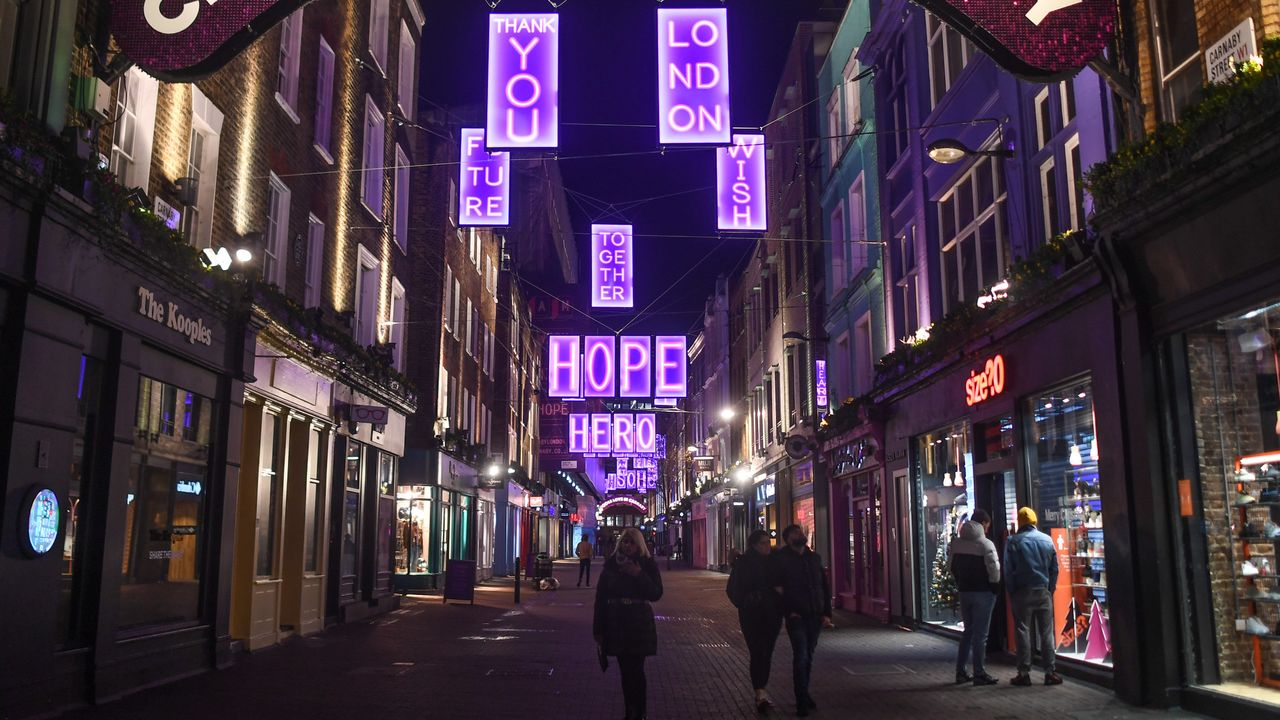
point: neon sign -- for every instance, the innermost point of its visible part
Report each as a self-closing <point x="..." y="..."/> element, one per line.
<point x="623" y="500"/>
<point x="564" y="366"/>
<point x="820" y="372"/>
<point x="622" y="434"/>
<point x="740" y="184"/>
<point x="987" y="384"/>
<point x="484" y="183"/>
<point x="693" y="76"/>
<point x="672" y="366"/>
<point x="611" y="266"/>
<point x="524" y="81"/>
<point x="638" y="367"/>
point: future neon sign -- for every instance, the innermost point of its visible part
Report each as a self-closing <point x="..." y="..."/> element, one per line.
<point x="693" y="76"/>
<point x="617" y="434"/>
<point x="740" y="184"/>
<point x="612" y="283"/>
<point x="524" y="81"/>
<point x="484" y="183"/>
<point x="629" y="366"/>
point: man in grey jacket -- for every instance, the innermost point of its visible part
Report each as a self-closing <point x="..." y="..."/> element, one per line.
<point x="1031" y="572"/>
<point x="976" y="568"/>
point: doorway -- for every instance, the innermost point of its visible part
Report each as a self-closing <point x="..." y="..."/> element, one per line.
<point x="996" y="493"/>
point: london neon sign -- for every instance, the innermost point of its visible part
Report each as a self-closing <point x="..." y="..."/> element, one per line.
<point x="693" y="76"/>
<point x="982" y="386"/>
<point x="631" y="367"/>
<point x="612" y="280"/>
<point x="524" y="81"/>
<point x="740" y="184"/>
<point x="484" y="183"/>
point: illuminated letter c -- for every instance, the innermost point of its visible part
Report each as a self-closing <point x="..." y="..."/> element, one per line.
<point x="166" y="25"/>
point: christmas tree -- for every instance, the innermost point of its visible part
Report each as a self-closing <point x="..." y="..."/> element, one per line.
<point x="942" y="584"/>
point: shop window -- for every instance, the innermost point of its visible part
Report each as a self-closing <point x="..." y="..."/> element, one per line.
<point x="89" y="409"/>
<point x="164" y="515"/>
<point x="1062" y="471"/>
<point x="314" y="518"/>
<point x="944" y="470"/>
<point x="270" y="487"/>
<point x="994" y="439"/>
<point x="413" y="529"/>
<point x="349" y="565"/>
<point x="386" y="514"/>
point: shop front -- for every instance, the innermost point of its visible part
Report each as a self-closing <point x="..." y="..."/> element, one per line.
<point x="802" y="504"/>
<point x="857" y="516"/>
<point x="766" y="505"/>
<point x="698" y="539"/>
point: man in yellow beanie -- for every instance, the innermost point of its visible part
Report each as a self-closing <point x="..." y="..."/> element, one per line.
<point x="1031" y="574"/>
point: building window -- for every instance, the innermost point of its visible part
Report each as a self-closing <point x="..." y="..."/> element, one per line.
<point x="202" y="165"/>
<point x="852" y="95"/>
<point x="401" y="225"/>
<point x="313" y="530"/>
<point x="898" y="134"/>
<point x="315" y="260"/>
<point x="839" y="379"/>
<point x="135" y="122"/>
<point x="1177" y="56"/>
<point x="277" y="240"/>
<point x="406" y="67"/>
<point x="864" y="359"/>
<point x="839" y="247"/>
<point x="287" y="66"/>
<point x="972" y="228"/>
<point x="447" y="306"/>
<point x="857" y="227"/>
<point x="1049" y="199"/>
<point x="324" y="101"/>
<point x="906" y="308"/>
<point x="949" y="52"/>
<point x="1075" y="182"/>
<point x="379" y="32"/>
<point x="471" y="328"/>
<point x="1067" y="101"/>
<point x="457" y="308"/>
<point x="270" y="489"/>
<point x="349" y="561"/>
<point x="366" y="297"/>
<point x="1044" y="119"/>
<point x="397" y="323"/>
<point x="834" y="140"/>
<point x="374" y="159"/>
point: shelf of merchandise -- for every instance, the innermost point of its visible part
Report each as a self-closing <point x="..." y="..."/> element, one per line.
<point x="1260" y="677"/>
<point x="1076" y="529"/>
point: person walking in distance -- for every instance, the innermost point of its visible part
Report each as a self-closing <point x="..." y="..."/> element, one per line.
<point x="623" y="624"/>
<point x="1031" y="573"/>
<point x="751" y="590"/>
<point x="806" y="602"/>
<point x="976" y="568"/>
<point x="585" y="552"/>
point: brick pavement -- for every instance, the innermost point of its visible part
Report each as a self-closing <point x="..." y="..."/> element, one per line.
<point x="492" y="660"/>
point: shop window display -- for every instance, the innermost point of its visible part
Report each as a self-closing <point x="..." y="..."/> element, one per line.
<point x="413" y="529"/>
<point x="1062" y="460"/>
<point x="944" y="470"/>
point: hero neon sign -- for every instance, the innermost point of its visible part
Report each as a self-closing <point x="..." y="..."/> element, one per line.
<point x="612" y="282"/>
<point x="524" y="80"/>
<point x="982" y="386"/>
<point x="484" y="183"/>
<point x="630" y="366"/>
<point x="693" y="76"/>
<point x="598" y="434"/>
<point x="740" y="184"/>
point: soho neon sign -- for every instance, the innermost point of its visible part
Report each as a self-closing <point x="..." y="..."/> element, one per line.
<point x="524" y="81"/>
<point x="619" y="434"/>
<point x="605" y="366"/>
<point x="987" y="384"/>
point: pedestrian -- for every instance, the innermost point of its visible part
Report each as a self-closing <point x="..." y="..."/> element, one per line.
<point x="806" y="601"/>
<point x="623" y="624"/>
<point x="751" y="590"/>
<point x="585" y="553"/>
<point x="976" y="568"/>
<point x="1031" y="573"/>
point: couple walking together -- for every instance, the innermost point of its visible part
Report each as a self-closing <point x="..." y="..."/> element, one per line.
<point x="1031" y="573"/>
<point x="773" y="587"/>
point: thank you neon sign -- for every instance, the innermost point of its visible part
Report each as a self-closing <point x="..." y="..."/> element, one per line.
<point x="524" y="80"/>
<point x="484" y="183"/>
<point x="693" y="76"/>
<point x="612" y="283"/>
<point x="740" y="184"/>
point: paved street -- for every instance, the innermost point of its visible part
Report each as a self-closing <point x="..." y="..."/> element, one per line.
<point x="492" y="660"/>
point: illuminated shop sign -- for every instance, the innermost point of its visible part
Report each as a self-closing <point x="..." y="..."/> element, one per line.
<point x="484" y="183"/>
<point x="43" y="520"/>
<point x="740" y="184"/>
<point x="820" y="372"/>
<point x="620" y="434"/>
<point x="625" y="501"/>
<point x="1040" y="40"/>
<point x="693" y="76"/>
<point x="524" y="81"/>
<point x="986" y="384"/>
<point x="183" y="41"/>
<point x="636" y="367"/>
<point x="611" y="266"/>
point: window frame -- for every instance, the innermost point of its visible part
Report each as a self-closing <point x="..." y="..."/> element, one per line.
<point x="396" y="316"/>
<point x="288" y="60"/>
<point x="322" y="131"/>
<point x="373" y="149"/>
<point x="379" y="33"/>
<point x="400" y="200"/>
<point x="365" y="328"/>
<point x="315" y="261"/>
<point x="275" y="250"/>
<point x="406" y="73"/>
<point x="969" y="232"/>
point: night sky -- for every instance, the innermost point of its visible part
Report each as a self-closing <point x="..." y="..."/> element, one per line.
<point x="608" y="60"/>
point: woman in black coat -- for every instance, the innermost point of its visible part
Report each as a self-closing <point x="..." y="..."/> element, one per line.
<point x="623" y="625"/>
<point x="751" y="590"/>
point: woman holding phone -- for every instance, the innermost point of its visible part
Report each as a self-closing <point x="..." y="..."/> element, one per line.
<point x="623" y="625"/>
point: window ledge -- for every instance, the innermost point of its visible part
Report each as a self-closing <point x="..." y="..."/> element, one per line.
<point x="369" y="210"/>
<point x="284" y="105"/>
<point x="323" y="153"/>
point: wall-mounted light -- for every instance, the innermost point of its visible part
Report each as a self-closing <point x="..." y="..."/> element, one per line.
<point x="948" y="151"/>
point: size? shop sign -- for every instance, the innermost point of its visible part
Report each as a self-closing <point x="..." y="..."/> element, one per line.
<point x="524" y="80"/>
<point x="170" y="315"/>
<point x="693" y="76"/>
<point x="984" y="385"/>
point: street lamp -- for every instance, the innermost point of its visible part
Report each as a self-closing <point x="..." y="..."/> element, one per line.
<point x="742" y="473"/>
<point x="948" y="151"/>
<point x="493" y="470"/>
<point x="727" y="414"/>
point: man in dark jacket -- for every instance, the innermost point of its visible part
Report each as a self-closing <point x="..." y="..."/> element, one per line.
<point x="976" y="568"/>
<point x="806" y="602"/>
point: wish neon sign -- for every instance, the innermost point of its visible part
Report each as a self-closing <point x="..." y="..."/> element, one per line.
<point x="740" y="184"/>
<point x="617" y="434"/>
<point x="693" y="76"/>
<point x="612" y="283"/>
<point x="629" y="366"/>
<point x="524" y="81"/>
<point x="484" y="183"/>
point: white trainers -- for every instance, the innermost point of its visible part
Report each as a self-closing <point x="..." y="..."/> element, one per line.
<point x="1248" y="569"/>
<point x="1254" y="626"/>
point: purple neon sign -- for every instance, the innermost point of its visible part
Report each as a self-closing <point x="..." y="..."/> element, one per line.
<point x="693" y="76"/>
<point x="524" y="80"/>
<point x="646" y="434"/>
<point x="611" y="267"/>
<point x="598" y="357"/>
<point x="671" y="365"/>
<point x="740" y="184"/>
<point x="820" y="371"/>
<point x="484" y="183"/>
<point x="622" y="434"/>
<point x="579" y="433"/>
<point x="564" y="366"/>
<point x="635" y="367"/>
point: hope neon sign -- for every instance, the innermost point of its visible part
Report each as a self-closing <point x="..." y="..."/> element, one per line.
<point x="986" y="384"/>
<point x="630" y="366"/>
<point x="618" y="434"/>
<point x="693" y="76"/>
<point x="524" y="81"/>
<point x="612" y="284"/>
<point x="740" y="184"/>
<point x="484" y="183"/>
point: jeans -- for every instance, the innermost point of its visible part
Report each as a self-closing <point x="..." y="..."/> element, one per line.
<point x="633" y="684"/>
<point x="803" y="633"/>
<point x="1033" y="612"/>
<point x="975" y="610"/>
<point x="761" y="634"/>
<point x="584" y="568"/>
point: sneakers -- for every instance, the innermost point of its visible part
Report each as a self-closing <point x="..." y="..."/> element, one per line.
<point x="984" y="679"/>
<point x="1052" y="678"/>
<point x="1245" y="499"/>
<point x="1271" y="530"/>
<point x="1248" y="569"/>
<point x="1022" y="680"/>
<point x="963" y="677"/>
<point x="1254" y="626"/>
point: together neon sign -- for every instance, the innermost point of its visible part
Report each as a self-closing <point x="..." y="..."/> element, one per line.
<point x="604" y="366"/>
<point x="693" y="76"/>
<point x="612" y="280"/>
<point x="524" y="80"/>
<point x="987" y="384"/>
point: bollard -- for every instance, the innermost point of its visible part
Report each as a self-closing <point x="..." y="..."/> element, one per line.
<point x="517" y="580"/>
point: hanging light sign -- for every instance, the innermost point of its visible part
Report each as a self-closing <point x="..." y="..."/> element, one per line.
<point x="986" y="384"/>
<point x="820" y="373"/>
<point x="630" y="366"/>
<point x="484" y="183"/>
<point x="620" y="434"/>
<point x="693" y="76"/>
<point x="740" y="190"/>
<point x="524" y="80"/>
<point x="611" y="266"/>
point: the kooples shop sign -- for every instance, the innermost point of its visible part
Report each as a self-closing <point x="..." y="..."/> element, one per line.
<point x="170" y="315"/>
<point x="184" y="40"/>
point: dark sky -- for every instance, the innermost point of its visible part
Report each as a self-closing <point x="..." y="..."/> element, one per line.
<point x="608" y="60"/>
